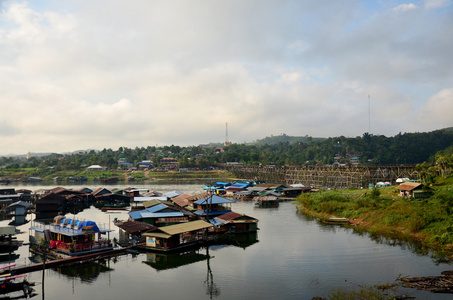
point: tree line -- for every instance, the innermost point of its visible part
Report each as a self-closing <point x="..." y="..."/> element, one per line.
<point x="406" y="148"/>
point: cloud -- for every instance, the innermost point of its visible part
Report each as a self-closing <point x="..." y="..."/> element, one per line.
<point x="432" y="4"/>
<point x="405" y="7"/>
<point x="154" y="72"/>
<point x="438" y="108"/>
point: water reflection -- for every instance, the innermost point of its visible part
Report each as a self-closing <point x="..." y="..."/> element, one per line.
<point x="162" y="261"/>
<point x="412" y="245"/>
<point x="295" y="257"/>
<point x="86" y="272"/>
<point x="211" y="287"/>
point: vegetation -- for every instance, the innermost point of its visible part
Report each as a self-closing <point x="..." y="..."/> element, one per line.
<point x="365" y="293"/>
<point x="381" y="211"/>
<point x="407" y="148"/>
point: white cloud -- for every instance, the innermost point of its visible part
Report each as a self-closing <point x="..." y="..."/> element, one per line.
<point x="438" y="110"/>
<point x="431" y="4"/>
<point x="152" y="72"/>
<point x="405" y="7"/>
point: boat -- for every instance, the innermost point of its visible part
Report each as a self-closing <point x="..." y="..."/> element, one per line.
<point x="337" y="221"/>
<point x="8" y="284"/>
<point x="71" y="237"/>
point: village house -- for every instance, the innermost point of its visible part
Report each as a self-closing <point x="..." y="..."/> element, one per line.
<point x="414" y="190"/>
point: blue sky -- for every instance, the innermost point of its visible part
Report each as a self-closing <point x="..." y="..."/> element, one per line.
<point x="104" y="74"/>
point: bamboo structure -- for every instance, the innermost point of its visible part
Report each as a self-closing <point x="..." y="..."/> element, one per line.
<point x="326" y="176"/>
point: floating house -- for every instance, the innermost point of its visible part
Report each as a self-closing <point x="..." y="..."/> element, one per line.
<point x="160" y="215"/>
<point x="236" y="223"/>
<point x="235" y="187"/>
<point x="266" y="201"/>
<point x="50" y="202"/>
<point x="8" y="196"/>
<point x="182" y="200"/>
<point x="69" y="236"/>
<point x="211" y="206"/>
<point x="131" y="231"/>
<point x="18" y="208"/>
<point x="295" y="191"/>
<point x="178" y="236"/>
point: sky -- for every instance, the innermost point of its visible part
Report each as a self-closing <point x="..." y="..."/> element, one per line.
<point x="77" y="75"/>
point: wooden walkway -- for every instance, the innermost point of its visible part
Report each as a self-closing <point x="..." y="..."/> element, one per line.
<point x="64" y="262"/>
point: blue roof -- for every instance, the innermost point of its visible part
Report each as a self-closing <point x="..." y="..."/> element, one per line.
<point x="212" y="213"/>
<point x="162" y="215"/>
<point x="240" y="185"/>
<point x="215" y="200"/>
<point x="153" y="212"/>
<point x="173" y="194"/>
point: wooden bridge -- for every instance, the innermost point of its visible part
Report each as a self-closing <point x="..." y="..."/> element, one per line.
<point x="327" y="176"/>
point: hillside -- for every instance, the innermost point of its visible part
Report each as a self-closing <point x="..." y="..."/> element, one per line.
<point x="283" y="138"/>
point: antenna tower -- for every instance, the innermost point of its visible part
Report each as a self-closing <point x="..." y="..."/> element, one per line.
<point x="369" y="115"/>
<point x="227" y="142"/>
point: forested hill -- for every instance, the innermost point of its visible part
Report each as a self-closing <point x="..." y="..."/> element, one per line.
<point x="283" y="138"/>
<point x="406" y="148"/>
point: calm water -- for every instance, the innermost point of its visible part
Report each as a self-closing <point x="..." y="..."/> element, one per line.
<point x="292" y="257"/>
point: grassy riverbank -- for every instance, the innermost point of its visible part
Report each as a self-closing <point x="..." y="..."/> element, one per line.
<point x="382" y="212"/>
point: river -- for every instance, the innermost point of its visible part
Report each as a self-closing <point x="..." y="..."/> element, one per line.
<point x="292" y="257"/>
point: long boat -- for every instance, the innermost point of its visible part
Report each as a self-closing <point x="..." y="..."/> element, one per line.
<point x="8" y="284"/>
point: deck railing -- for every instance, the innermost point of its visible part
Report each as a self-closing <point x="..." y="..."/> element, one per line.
<point x="73" y="248"/>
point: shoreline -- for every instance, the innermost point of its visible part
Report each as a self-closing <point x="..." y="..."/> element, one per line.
<point x="417" y="240"/>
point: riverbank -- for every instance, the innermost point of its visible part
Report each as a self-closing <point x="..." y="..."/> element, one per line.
<point x="427" y="223"/>
<point x="50" y="175"/>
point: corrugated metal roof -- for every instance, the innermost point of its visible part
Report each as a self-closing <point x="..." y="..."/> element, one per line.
<point x="233" y="216"/>
<point x="181" y="200"/>
<point x="146" y="215"/>
<point x="181" y="228"/>
<point x="143" y="199"/>
<point x="265" y="198"/>
<point x="215" y="200"/>
<point x="173" y="194"/>
<point x="409" y="186"/>
<point x="133" y="226"/>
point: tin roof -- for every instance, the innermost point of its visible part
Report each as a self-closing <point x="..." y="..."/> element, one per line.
<point x="214" y="199"/>
<point x="181" y="200"/>
<point x="233" y="216"/>
<point x="180" y="228"/>
<point x="409" y="186"/>
<point x="134" y="226"/>
<point x="170" y="214"/>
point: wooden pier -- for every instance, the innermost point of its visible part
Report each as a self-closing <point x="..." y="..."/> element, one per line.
<point x="68" y="261"/>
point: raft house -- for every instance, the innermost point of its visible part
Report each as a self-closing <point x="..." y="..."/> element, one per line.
<point x="69" y="237"/>
<point x="175" y="237"/>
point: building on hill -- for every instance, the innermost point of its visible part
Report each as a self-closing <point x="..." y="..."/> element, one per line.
<point x="414" y="190"/>
<point x="169" y="163"/>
